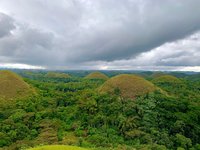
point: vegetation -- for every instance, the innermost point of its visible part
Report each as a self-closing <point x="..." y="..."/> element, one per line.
<point x="163" y="79"/>
<point x="127" y="86"/>
<point x="157" y="74"/>
<point x="96" y="75"/>
<point x="70" y="112"/>
<point x="12" y="85"/>
<point x="170" y="84"/>
<point x="57" y="75"/>
<point x="58" y="147"/>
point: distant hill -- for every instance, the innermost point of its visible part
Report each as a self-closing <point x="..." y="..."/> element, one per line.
<point x="129" y="86"/>
<point x="157" y="74"/>
<point x="193" y="77"/>
<point x="12" y="85"/>
<point x="57" y="75"/>
<point x="96" y="75"/>
<point x="167" y="79"/>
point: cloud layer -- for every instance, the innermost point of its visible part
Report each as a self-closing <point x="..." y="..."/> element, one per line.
<point x="100" y="34"/>
<point x="6" y="25"/>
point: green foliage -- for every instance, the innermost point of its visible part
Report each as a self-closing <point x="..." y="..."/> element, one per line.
<point x="58" y="147"/>
<point x="128" y="86"/>
<point x="57" y="75"/>
<point x="182" y="141"/>
<point x="96" y="75"/>
<point x="71" y="111"/>
<point x="12" y="86"/>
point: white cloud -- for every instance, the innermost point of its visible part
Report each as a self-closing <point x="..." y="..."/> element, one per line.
<point x="19" y="66"/>
<point x="192" y="68"/>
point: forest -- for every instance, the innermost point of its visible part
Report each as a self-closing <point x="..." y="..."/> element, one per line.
<point x="106" y="110"/>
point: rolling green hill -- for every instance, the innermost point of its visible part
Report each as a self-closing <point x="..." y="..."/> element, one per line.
<point x="157" y="74"/>
<point x="130" y="86"/>
<point x="96" y="75"/>
<point x="57" y="75"/>
<point x="12" y="85"/>
<point x="113" y="114"/>
<point x="171" y="84"/>
<point x="167" y="80"/>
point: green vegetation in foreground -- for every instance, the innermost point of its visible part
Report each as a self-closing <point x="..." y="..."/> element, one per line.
<point x="127" y="86"/>
<point x="71" y="112"/>
<point x="96" y="75"/>
<point x="58" y="147"/>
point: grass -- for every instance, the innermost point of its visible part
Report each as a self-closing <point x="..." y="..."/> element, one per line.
<point x="167" y="79"/>
<point x="129" y="86"/>
<point x="170" y="84"/>
<point x="58" y="147"/>
<point x="57" y="75"/>
<point x="96" y="75"/>
<point x="12" y="85"/>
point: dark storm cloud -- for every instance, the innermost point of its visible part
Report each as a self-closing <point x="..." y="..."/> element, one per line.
<point x="74" y="32"/>
<point x="184" y="52"/>
<point x="145" y="26"/>
<point x="6" y="25"/>
<point x="27" y="46"/>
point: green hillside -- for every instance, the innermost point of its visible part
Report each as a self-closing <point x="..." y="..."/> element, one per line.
<point x="157" y="74"/>
<point x="129" y="86"/>
<point x="71" y="114"/>
<point x="57" y="75"/>
<point x="12" y="85"/>
<point x="168" y="80"/>
<point x="96" y="75"/>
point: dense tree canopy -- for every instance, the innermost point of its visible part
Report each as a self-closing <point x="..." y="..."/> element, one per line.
<point x="71" y="111"/>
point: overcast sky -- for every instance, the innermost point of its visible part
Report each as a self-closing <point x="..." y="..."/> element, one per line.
<point x="100" y="34"/>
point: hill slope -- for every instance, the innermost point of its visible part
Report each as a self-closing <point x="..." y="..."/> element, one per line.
<point x="129" y="86"/>
<point x="167" y="79"/>
<point x="12" y="85"/>
<point x="57" y="75"/>
<point x="96" y="75"/>
<point x="157" y="74"/>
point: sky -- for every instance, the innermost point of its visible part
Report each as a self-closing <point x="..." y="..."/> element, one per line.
<point x="100" y="34"/>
